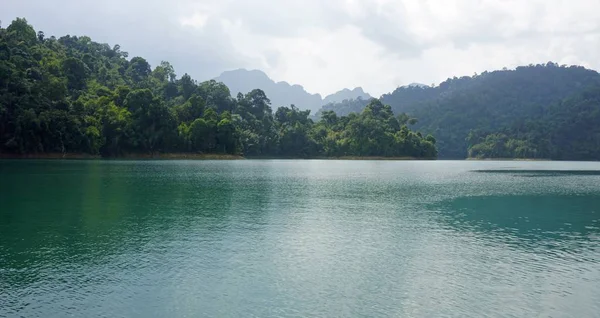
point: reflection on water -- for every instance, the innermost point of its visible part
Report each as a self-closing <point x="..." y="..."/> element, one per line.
<point x="298" y="238"/>
<point x="542" y="248"/>
<point x="556" y="217"/>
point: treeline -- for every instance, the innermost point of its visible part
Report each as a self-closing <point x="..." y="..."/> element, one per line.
<point x="537" y="111"/>
<point x="73" y="95"/>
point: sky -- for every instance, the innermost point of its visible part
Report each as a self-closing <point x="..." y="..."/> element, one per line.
<point x="328" y="45"/>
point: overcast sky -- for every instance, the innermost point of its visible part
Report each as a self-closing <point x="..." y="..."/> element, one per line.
<point x="326" y="45"/>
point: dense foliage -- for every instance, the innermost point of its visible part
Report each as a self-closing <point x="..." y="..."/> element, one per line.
<point x="73" y="95"/>
<point x="535" y="111"/>
<point x="374" y="132"/>
<point x="344" y="107"/>
<point x="567" y="130"/>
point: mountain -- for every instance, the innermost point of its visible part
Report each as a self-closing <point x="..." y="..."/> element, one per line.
<point x="282" y="93"/>
<point x="346" y="94"/>
<point x="345" y="107"/>
<point x="416" y="85"/>
<point x="523" y="111"/>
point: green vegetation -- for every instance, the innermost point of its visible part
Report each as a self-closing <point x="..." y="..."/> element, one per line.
<point x="374" y="132"/>
<point x="513" y="102"/>
<point x="74" y="96"/>
<point x="537" y="111"/>
<point x="345" y="107"/>
<point x="567" y="130"/>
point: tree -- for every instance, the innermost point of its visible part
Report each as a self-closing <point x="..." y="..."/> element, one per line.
<point x="187" y="85"/>
<point x="138" y="69"/>
<point x="193" y="108"/>
<point x="226" y="134"/>
<point x="76" y="73"/>
<point x="20" y="30"/>
<point x="155" y="123"/>
<point x="216" y="95"/>
<point x="164" y="72"/>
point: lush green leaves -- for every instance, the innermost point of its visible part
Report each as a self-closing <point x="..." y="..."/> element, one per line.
<point x="568" y="130"/>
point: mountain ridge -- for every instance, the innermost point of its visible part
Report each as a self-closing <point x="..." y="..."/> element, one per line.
<point x="283" y="93"/>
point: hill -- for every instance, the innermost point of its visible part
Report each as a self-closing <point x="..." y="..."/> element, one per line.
<point x="491" y="102"/>
<point x="346" y="94"/>
<point x="567" y="130"/>
<point x="509" y="102"/>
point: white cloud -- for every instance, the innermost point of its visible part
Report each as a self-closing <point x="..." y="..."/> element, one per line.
<point x="328" y="45"/>
<point x="197" y="20"/>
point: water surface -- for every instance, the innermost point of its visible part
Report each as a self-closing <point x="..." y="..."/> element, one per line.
<point x="290" y="238"/>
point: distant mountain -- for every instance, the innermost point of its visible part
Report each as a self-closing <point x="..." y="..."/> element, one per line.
<point x="282" y="93"/>
<point x="345" y="107"/>
<point x="416" y="85"/>
<point x="346" y="94"/>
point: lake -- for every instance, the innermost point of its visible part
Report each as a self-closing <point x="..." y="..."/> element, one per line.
<point x="297" y="238"/>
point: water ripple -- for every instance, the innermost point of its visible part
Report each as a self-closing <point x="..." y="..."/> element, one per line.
<point x="299" y="238"/>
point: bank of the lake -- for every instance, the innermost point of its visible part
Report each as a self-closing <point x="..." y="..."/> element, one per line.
<point x="182" y="156"/>
<point x="132" y="156"/>
<point x="377" y="158"/>
<point x="509" y="159"/>
<point x="191" y="156"/>
<point x="52" y="155"/>
<point x="338" y="158"/>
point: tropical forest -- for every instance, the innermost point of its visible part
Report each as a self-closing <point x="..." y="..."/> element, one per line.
<point x="71" y="95"/>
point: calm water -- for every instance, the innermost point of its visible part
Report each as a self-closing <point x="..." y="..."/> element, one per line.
<point x="299" y="238"/>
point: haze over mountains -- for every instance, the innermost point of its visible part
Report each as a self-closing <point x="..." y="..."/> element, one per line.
<point x="283" y="93"/>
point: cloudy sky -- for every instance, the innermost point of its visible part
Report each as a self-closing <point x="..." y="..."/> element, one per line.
<point x="326" y="45"/>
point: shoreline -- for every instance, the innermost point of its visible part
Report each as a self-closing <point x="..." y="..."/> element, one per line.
<point x="374" y="158"/>
<point x="190" y="156"/>
<point x="156" y="156"/>
<point x="178" y="156"/>
<point x="52" y="155"/>
<point x="509" y="159"/>
<point x="197" y="156"/>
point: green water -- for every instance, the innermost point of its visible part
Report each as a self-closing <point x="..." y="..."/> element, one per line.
<point x="299" y="238"/>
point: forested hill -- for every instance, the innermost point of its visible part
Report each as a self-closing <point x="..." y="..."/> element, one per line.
<point x="518" y="109"/>
<point x="73" y="95"/>
<point x="567" y="130"/>
<point x="496" y="101"/>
